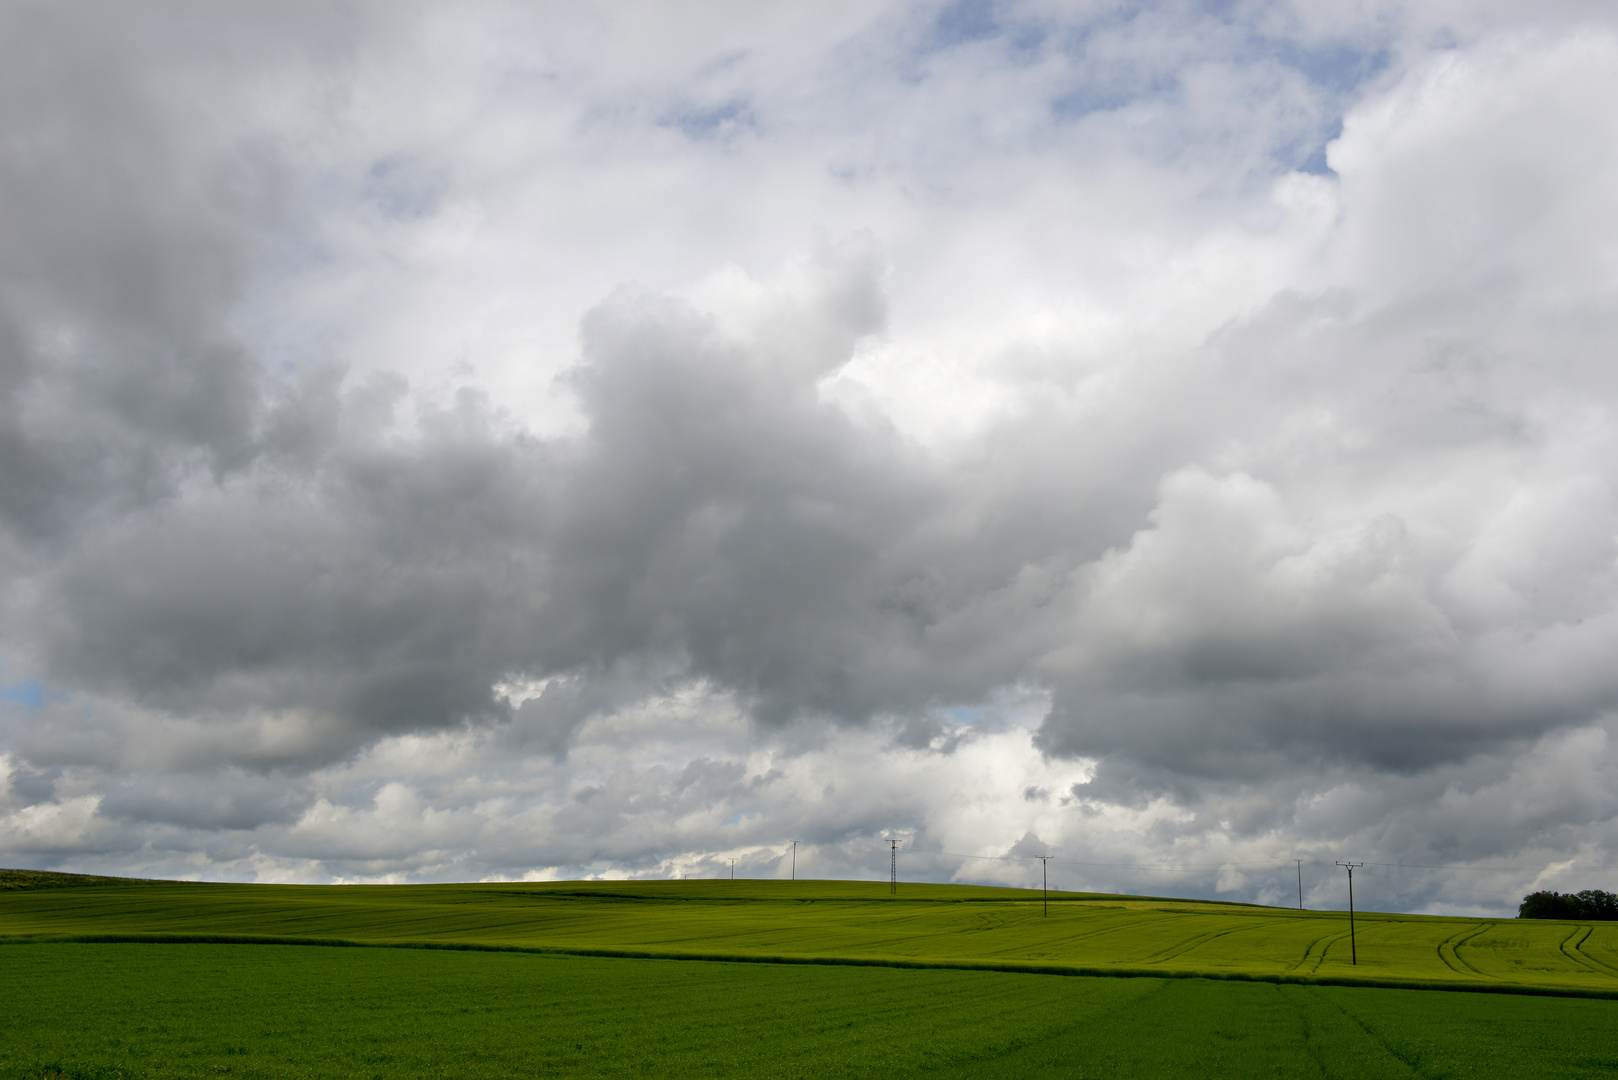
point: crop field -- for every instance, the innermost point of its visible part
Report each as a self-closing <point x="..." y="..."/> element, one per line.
<point x="131" y="1011"/>
<point x="845" y="921"/>
<point x="138" y="979"/>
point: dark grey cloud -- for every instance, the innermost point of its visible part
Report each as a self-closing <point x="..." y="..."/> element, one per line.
<point x="226" y="799"/>
<point x="716" y="511"/>
<point x="131" y="207"/>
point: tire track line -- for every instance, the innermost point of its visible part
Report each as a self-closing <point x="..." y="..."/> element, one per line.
<point x="1599" y="965"/>
<point x="1341" y="936"/>
<point x="1578" y="955"/>
<point x="1455" y="944"/>
<point x="1304" y="959"/>
<point x="1163" y="956"/>
<point x="1412" y="1067"/>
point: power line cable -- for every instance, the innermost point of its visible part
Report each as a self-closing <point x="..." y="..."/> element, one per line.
<point x="1489" y="869"/>
<point x="1191" y="868"/>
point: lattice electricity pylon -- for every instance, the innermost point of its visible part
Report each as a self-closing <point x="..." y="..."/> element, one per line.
<point x="893" y="867"/>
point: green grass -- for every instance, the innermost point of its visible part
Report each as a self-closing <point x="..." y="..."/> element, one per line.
<point x="924" y="984"/>
<point x="148" y="1012"/>
<point x="852" y="922"/>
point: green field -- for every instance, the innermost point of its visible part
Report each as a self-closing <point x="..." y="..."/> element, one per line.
<point x="502" y="983"/>
<point x="131" y="1011"/>
<point x="844" y="921"/>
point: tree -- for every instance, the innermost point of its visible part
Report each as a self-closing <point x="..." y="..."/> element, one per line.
<point x="1598" y="905"/>
<point x="1589" y="904"/>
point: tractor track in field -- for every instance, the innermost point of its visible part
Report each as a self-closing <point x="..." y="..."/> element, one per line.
<point x="1602" y="965"/>
<point x="1163" y="956"/>
<point x="1412" y="1067"/>
<point x="1579" y="956"/>
<point x="1453" y="959"/>
<point x="1310" y="1044"/>
<point x="1073" y="938"/>
<point x="1330" y="940"/>
<point x="1310" y="948"/>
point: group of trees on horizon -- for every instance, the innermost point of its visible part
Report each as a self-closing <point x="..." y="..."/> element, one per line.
<point x="1589" y="904"/>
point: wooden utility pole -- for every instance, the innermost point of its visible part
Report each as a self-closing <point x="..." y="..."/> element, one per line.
<point x="1353" y="952"/>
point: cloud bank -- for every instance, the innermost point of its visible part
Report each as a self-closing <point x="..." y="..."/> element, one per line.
<point x="490" y="443"/>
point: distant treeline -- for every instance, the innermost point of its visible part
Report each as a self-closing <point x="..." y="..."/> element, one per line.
<point x="28" y="880"/>
<point x="1589" y="904"/>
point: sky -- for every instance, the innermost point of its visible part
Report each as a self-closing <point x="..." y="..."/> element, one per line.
<point x="498" y="441"/>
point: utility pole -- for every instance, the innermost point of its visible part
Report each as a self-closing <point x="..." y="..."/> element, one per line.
<point x="794" y="844"/>
<point x="1045" y="880"/>
<point x="893" y="868"/>
<point x="1353" y="952"/>
<point x="733" y="869"/>
<point x="1300" y="883"/>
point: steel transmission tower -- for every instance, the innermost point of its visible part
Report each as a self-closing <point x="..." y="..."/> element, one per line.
<point x="893" y="867"/>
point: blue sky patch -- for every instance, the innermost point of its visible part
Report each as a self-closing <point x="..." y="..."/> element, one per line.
<point x="29" y="692"/>
<point x="1341" y="69"/>
<point x="712" y="121"/>
<point x="1316" y="162"/>
<point x="963" y="22"/>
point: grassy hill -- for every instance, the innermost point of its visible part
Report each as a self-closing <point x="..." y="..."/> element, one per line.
<point x="848" y="922"/>
<point x="149" y="980"/>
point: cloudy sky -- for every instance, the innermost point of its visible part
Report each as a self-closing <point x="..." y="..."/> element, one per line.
<point x="499" y="440"/>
